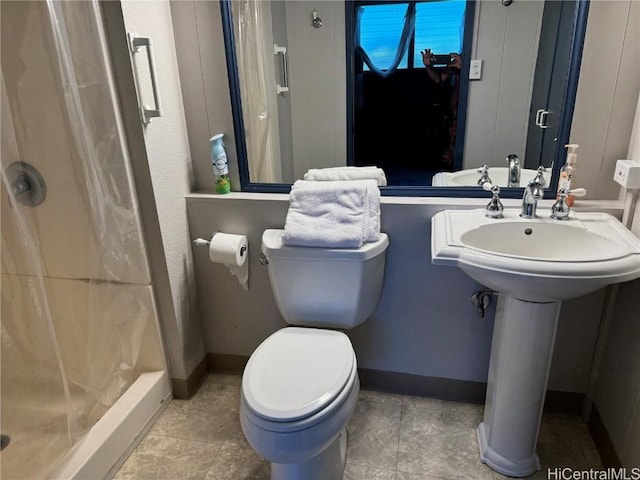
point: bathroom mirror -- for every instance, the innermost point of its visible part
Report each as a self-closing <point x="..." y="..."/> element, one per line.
<point x="289" y="118"/>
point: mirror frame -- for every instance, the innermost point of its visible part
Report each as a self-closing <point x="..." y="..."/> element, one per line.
<point x="566" y="118"/>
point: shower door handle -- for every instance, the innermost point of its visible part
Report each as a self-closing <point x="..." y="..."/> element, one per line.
<point x="135" y="43"/>
<point x="284" y="87"/>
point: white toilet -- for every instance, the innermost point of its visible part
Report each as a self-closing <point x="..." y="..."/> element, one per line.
<point x="300" y="386"/>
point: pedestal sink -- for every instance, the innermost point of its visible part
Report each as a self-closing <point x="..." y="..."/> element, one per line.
<point x="533" y="265"/>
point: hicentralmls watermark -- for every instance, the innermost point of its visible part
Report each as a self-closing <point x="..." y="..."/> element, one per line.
<point x="606" y="474"/>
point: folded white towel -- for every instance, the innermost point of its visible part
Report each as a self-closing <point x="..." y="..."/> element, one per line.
<point x="347" y="173"/>
<point x="372" y="230"/>
<point x="333" y="214"/>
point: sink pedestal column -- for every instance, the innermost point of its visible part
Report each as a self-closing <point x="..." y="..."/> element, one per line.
<point x="521" y="350"/>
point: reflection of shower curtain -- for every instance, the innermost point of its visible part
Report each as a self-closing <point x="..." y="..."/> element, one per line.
<point x="76" y="294"/>
<point x="254" y="48"/>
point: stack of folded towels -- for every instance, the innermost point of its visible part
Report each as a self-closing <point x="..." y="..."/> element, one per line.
<point x="347" y="173"/>
<point x="333" y="214"/>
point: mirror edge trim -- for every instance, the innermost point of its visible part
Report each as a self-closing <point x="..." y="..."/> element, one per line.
<point x="571" y="90"/>
<point x="234" y="93"/>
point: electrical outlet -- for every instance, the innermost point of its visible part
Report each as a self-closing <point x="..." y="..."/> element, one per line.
<point x="627" y="174"/>
<point x="475" y="70"/>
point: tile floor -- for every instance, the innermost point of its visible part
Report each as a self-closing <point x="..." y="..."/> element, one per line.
<point x="391" y="437"/>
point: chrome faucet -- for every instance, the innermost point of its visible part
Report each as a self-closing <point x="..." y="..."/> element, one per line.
<point x="513" y="180"/>
<point x="533" y="192"/>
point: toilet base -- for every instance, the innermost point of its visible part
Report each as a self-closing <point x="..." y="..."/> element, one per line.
<point x="327" y="465"/>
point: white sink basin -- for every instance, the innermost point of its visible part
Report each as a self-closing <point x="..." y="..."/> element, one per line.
<point x="538" y="260"/>
<point x="470" y="177"/>
<point x="533" y="265"/>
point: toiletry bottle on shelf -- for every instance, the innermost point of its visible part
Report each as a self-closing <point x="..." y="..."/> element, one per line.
<point x="568" y="171"/>
<point x="219" y="162"/>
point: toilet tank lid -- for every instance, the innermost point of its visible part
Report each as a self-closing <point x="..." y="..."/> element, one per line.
<point x="296" y="372"/>
<point x="272" y="246"/>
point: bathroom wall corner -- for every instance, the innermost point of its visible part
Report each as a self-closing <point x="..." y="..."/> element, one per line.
<point x="161" y="148"/>
<point x="184" y="389"/>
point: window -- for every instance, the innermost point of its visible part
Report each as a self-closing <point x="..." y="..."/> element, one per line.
<point x="439" y="25"/>
<point x="380" y="31"/>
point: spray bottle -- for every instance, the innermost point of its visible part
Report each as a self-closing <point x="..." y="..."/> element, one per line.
<point x="219" y="163"/>
<point x="568" y="171"/>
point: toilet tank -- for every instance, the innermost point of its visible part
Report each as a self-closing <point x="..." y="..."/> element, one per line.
<point x="325" y="287"/>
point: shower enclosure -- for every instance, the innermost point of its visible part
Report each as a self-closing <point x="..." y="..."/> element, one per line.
<point x="82" y="364"/>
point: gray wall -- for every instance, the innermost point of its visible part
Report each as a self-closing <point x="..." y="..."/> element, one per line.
<point x="424" y="325"/>
<point x="617" y="397"/>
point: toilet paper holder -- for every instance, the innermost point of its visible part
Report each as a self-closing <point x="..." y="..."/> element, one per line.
<point x="201" y="242"/>
<point x="232" y="251"/>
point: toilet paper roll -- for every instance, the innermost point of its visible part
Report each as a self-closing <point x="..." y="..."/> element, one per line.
<point x="231" y="250"/>
<point x="228" y="249"/>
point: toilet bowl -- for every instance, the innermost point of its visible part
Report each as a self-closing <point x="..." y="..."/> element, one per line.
<point x="299" y="390"/>
<point x="300" y="386"/>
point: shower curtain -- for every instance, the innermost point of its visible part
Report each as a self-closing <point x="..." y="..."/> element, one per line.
<point x="256" y="71"/>
<point x="76" y="298"/>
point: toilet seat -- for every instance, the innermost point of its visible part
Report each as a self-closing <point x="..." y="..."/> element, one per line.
<point x="297" y="372"/>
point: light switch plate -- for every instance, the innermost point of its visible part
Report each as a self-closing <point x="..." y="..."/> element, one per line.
<point x="475" y="70"/>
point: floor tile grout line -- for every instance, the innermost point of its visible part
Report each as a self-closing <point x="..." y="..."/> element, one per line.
<point x="176" y="437"/>
<point x="584" y="455"/>
<point x="213" y="460"/>
<point x="135" y="453"/>
<point x="399" y="433"/>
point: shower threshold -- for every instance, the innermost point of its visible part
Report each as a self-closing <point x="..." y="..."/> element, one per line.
<point x="107" y="445"/>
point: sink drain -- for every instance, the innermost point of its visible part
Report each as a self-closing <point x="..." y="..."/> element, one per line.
<point x="4" y="441"/>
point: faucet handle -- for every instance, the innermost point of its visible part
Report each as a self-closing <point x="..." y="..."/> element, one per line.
<point x="539" y="178"/>
<point x="484" y="175"/>
<point x="494" y="207"/>
<point x="560" y="210"/>
<point x="577" y="192"/>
